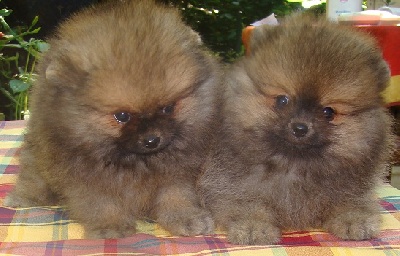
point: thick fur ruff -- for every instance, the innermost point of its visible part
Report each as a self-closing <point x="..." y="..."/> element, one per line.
<point x="304" y="139"/>
<point x="121" y="114"/>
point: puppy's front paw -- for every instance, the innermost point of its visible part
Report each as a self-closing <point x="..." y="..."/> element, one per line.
<point x="250" y="232"/>
<point x="13" y="200"/>
<point x="34" y="194"/>
<point x="187" y="222"/>
<point x="354" y="225"/>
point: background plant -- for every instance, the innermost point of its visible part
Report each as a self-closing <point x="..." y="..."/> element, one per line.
<point x="387" y="2"/>
<point x="220" y="22"/>
<point x="17" y="64"/>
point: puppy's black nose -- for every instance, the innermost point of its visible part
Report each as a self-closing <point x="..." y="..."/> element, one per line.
<point x="151" y="141"/>
<point x="299" y="129"/>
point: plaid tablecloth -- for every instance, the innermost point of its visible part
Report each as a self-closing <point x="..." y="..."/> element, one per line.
<point x="49" y="231"/>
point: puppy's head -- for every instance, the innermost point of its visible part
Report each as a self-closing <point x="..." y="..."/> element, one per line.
<point x="309" y="92"/>
<point x="127" y="79"/>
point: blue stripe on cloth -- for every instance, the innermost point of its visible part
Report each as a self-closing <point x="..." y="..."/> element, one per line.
<point x="60" y="230"/>
<point x="216" y="245"/>
<point x="12" y="152"/>
<point x="13" y="124"/>
<point x="390" y="204"/>
<point x="7" y="137"/>
<point x="54" y="248"/>
<point x="40" y="216"/>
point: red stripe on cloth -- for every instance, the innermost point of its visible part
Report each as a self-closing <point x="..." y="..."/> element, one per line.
<point x="11" y="169"/>
<point x="299" y="238"/>
<point x="387" y="205"/>
<point x="110" y="246"/>
<point x="216" y="245"/>
<point x="6" y="215"/>
<point x="5" y="189"/>
<point x="54" y="248"/>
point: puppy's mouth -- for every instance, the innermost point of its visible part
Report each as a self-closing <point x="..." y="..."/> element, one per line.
<point x="287" y="143"/>
<point x="296" y="143"/>
<point x="130" y="154"/>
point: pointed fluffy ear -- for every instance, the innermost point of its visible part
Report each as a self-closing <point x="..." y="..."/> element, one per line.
<point x="383" y="72"/>
<point x="63" y="73"/>
<point x="196" y="37"/>
<point x="260" y="36"/>
<point x="53" y="71"/>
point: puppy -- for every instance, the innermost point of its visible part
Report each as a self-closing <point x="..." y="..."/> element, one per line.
<point x="304" y="138"/>
<point x="121" y="115"/>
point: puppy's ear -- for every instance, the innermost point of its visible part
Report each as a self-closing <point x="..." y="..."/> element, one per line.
<point x="261" y="36"/>
<point x="63" y="73"/>
<point x="264" y="34"/>
<point x="196" y="37"/>
<point x="52" y="71"/>
<point x="383" y="74"/>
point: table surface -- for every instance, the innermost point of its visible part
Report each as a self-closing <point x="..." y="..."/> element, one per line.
<point x="49" y="231"/>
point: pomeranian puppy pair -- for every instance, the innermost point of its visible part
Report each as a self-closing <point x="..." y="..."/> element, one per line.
<point x="128" y="103"/>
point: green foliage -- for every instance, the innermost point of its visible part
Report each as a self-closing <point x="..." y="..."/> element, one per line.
<point x="387" y="2"/>
<point x="317" y="10"/>
<point x="220" y="22"/>
<point x="17" y="63"/>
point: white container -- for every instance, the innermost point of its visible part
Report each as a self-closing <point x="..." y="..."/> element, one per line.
<point x="336" y="7"/>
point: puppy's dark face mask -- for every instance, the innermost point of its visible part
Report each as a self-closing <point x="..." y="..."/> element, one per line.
<point x="303" y="126"/>
<point x="146" y="133"/>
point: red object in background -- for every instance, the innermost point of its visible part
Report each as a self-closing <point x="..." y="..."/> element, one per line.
<point x="389" y="40"/>
<point x="246" y="33"/>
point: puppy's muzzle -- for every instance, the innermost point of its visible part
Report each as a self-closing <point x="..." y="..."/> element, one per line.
<point x="151" y="141"/>
<point x="299" y="129"/>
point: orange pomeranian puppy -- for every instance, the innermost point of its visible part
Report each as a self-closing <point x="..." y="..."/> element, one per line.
<point x="305" y="137"/>
<point x="121" y="116"/>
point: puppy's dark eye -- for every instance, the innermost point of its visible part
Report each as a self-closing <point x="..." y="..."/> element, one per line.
<point x="122" y="117"/>
<point x="329" y="113"/>
<point x="167" y="110"/>
<point x="281" y="101"/>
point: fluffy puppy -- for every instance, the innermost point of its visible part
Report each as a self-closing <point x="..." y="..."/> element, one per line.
<point x="304" y="138"/>
<point x="121" y="117"/>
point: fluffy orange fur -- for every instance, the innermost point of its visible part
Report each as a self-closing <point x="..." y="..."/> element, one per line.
<point x="305" y="137"/>
<point x="123" y="106"/>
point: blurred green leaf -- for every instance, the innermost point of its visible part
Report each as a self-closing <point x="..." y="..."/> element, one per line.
<point x="34" y="21"/>
<point x="228" y="15"/>
<point x="5" y="12"/>
<point x="42" y="46"/>
<point x="35" y="31"/>
<point x="13" y="46"/>
<point x="18" y="86"/>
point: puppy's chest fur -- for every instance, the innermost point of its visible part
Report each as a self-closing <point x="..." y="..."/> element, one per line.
<point x="136" y="189"/>
<point x="296" y="200"/>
